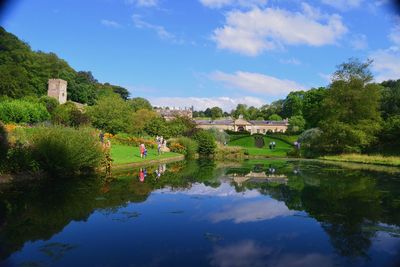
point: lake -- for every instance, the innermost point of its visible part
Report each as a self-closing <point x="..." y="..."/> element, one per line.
<point x="203" y="213"/>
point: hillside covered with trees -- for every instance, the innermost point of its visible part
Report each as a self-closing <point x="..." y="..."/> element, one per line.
<point x="24" y="72"/>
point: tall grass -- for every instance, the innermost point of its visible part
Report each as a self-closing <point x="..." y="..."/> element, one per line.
<point x="57" y="150"/>
<point x="369" y="159"/>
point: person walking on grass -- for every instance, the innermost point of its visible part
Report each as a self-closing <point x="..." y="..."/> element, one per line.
<point x="159" y="148"/>
<point x="145" y="153"/>
<point x="141" y="148"/>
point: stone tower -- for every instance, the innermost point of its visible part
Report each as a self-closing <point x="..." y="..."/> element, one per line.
<point x="58" y="89"/>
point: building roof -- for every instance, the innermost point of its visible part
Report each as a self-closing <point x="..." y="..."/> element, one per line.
<point x="272" y="123"/>
<point x="216" y="122"/>
<point x="240" y="122"/>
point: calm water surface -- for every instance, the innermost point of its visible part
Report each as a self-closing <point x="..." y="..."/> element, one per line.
<point x="255" y="213"/>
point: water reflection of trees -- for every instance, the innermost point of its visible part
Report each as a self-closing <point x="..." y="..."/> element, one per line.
<point x="38" y="210"/>
<point x="348" y="204"/>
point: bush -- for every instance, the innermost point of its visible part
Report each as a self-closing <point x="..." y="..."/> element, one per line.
<point x="56" y="150"/>
<point x="22" y="111"/>
<point x="49" y="102"/>
<point x="229" y="152"/>
<point x="185" y="146"/>
<point x="60" y="150"/>
<point x="221" y="136"/>
<point x="69" y="115"/>
<point x="3" y="144"/>
<point x="206" y="142"/>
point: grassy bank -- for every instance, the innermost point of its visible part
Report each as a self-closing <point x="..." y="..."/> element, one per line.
<point x="368" y="159"/>
<point x="123" y="154"/>
<point x="248" y="144"/>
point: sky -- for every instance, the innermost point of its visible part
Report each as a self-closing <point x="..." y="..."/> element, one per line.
<point x="206" y="53"/>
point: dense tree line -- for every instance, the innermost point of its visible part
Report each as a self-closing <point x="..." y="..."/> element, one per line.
<point x="24" y="72"/>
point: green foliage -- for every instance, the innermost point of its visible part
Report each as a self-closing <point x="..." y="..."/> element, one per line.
<point x="49" y="102"/>
<point x="3" y="145"/>
<point x="216" y="112"/>
<point x="293" y="104"/>
<point x="157" y="126"/>
<point x="296" y="124"/>
<point x="139" y="121"/>
<point x="61" y="150"/>
<point x="390" y="104"/>
<point x="69" y="115"/>
<point x="229" y="153"/>
<point x="351" y="116"/>
<point x="56" y="150"/>
<point x="353" y="69"/>
<point x="220" y="136"/>
<point x="111" y="114"/>
<point x="22" y="111"/>
<point x="312" y="106"/>
<point x="179" y="126"/>
<point x="206" y="142"/>
<point x="275" y="117"/>
<point x="25" y="72"/>
<point x="185" y="146"/>
<point x="138" y="103"/>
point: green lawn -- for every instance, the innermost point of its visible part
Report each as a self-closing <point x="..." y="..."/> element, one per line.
<point x="122" y="154"/>
<point x="248" y="144"/>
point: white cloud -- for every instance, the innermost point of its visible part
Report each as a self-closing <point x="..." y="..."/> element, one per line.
<point x="343" y="5"/>
<point x="224" y="190"/>
<point x="251" y="212"/>
<point x="110" y="23"/>
<point x="359" y="42"/>
<point x="201" y="103"/>
<point x="160" y="30"/>
<point x="394" y="34"/>
<point x="252" y="32"/>
<point x="290" y="61"/>
<point x="256" y="82"/>
<point x="223" y="3"/>
<point x="386" y="64"/>
<point x="143" y="3"/>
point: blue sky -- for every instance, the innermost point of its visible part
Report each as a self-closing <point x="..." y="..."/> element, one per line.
<point x="211" y="52"/>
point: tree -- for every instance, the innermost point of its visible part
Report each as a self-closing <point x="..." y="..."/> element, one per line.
<point x="293" y="104"/>
<point x="312" y="106"/>
<point x="296" y="124"/>
<point x="351" y="118"/>
<point x="139" y="120"/>
<point x="206" y="141"/>
<point x="241" y="109"/>
<point x="121" y="91"/>
<point x="111" y="114"/>
<point x="275" y="117"/>
<point x="216" y="112"/>
<point x="390" y="104"/>
<point x="353" y="69"/>
<point x="139" y="103"/>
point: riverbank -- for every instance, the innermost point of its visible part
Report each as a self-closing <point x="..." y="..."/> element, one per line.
<point x="124" y="155"/>
<point x="366" y="159"/>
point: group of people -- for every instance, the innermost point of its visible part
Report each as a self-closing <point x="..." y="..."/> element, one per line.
<point x="272" y="145"/>
<point x="161" y="143"/>
<point x="159" y="171"/>
<point x="143" y="151"/>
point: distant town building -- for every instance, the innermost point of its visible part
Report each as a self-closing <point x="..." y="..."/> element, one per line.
<point x="170" y="114"/>
<point x="241" y="125"/>
<point x="57" y="88"/>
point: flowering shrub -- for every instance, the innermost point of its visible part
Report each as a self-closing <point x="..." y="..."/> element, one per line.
<point x="178" y="148"/>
